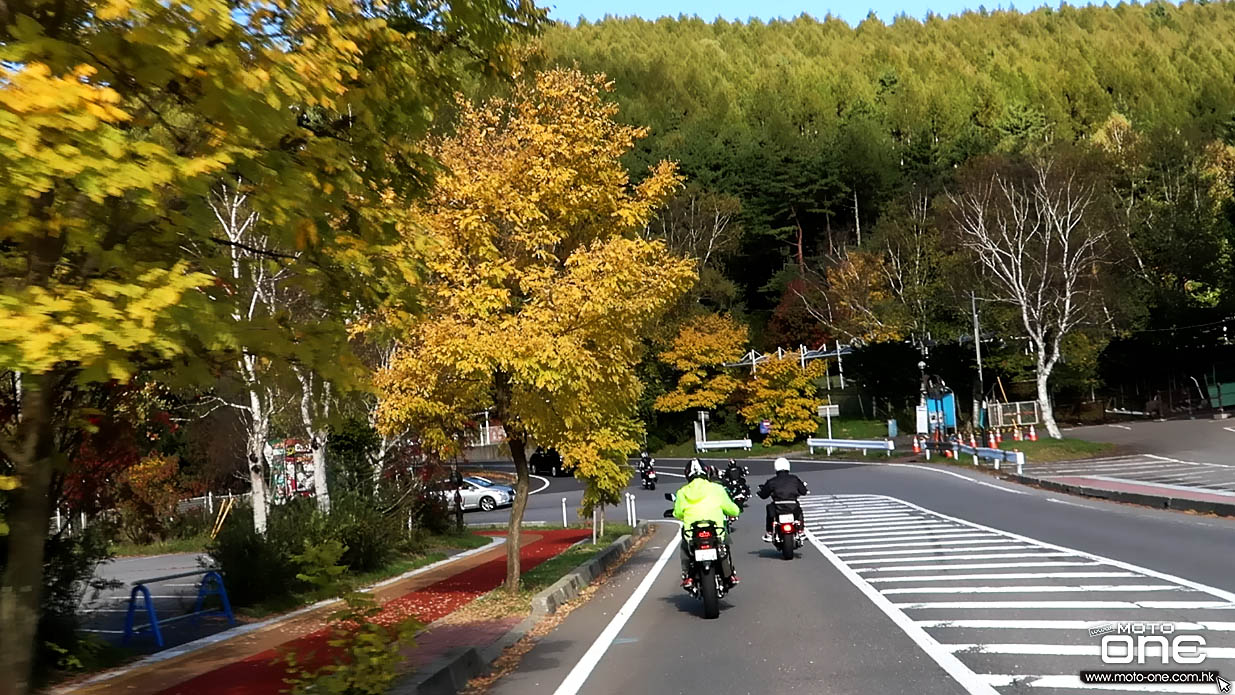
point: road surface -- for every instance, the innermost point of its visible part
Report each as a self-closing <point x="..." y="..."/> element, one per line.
<point x="916" y="581"/>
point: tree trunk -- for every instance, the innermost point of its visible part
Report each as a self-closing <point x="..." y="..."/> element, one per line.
<point x="519" y="453"/>
<point x="27" y="515"/>
<point x="257" y="472"/>
<point x="1044" y="403"/>
<point x="320" y="489"/>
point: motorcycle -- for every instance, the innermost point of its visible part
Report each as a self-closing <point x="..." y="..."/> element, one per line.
<point x="649" y="478"/>
<point x="787" y="532"/>
<point x="706" y="552"/>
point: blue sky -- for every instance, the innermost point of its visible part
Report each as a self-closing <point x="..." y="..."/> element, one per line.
<point x="852" y="11"/>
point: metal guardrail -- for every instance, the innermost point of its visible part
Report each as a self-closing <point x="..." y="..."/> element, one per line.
<point x="864" y="444"/>
<point x="998" y="456"/>
<point x="723" y="444"/>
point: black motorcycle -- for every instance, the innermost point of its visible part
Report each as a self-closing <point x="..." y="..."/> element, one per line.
<point x="787" y="532"/>
<point x="706" y="552"/>
<point x="738" y="491"/>
<point x="649" y="478"/>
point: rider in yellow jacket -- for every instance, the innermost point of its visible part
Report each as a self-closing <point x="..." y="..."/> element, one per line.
<point x="702" y="500"/>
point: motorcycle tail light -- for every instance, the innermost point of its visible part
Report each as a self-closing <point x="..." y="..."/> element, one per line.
<point x="705" y="534"/>
<point x="787" y="528"/>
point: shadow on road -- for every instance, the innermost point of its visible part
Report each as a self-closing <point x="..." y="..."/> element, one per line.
<point x="543" y="657"/>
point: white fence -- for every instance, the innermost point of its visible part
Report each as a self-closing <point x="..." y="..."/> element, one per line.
<point x="863" y="444"/>
<point x="723" y="444"/>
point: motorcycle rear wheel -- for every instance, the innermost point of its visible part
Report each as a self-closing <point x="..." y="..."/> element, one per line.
<point x="710" y="594"/>
<point x="786" y="547"/>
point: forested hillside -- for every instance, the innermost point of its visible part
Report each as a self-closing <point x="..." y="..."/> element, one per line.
<point x="832" y="149"/>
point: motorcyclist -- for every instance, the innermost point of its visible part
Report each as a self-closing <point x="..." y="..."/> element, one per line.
<point x="782" y="487"/>
<point x="703" y="500"/>
<point x="645" y="462"/>
<point x="734" y="478"/>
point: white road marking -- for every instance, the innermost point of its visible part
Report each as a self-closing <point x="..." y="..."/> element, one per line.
<point x="898" y="535"/>
<point x="1066" y="650"/>
<point x="1183" y="488"/>
<point x="1195" y="463"/>
<point x="991" y="556"/>
<point x="920" y="544"/>
<point x="985" y="566"/>
<point x="1229" y="429"/>
<point x="1034" y="589"/>
<point x="968" y="680"/>
<point x="1070" y="504"/>
<point x="1121" y="427"/>
<point x="1061" y="625"/>
<point x="1004" y="575"/>
<point x="1035" y="605"/>
<point x="963" y="477"/>
<point x="942" y="553"/>
<point x="579" y="674"/>
<point x="888" y="529"/>
<point x="1073" y="681"/>
<point x="542" y="487"/>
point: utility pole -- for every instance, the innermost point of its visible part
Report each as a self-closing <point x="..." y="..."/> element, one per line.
<point x="977" y="348"/>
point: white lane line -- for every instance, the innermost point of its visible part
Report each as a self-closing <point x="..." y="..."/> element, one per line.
<point x="832" y="516"/>
<point x="941" y="552"/>
<point x="865" y="522"/>
<point x="1004" y="575"/>
<point x="1064" y="681"/>
<point x="1219" y="593"/>
<point x="939" y="564"/>
<point x="921" y="544"/>
<point x="1065" y="650"/>
<point x="1070" y="504"/>
<point x="1229" y="429"/>
<point x="542" y="487"/>
<point x="1034" y="605"/>
<point x="1035" y="589"/>
<point x="983" y="566"/>
<point x="1184" y="488"/>
<point x="910" y="536"/>
<point x="936" y="526"/>
<point x="1195" y="463"/>
<point x="579" y="674"/>
<point x="881" y="526"/>
<point x="1120" y="427"/>
<point x="967" y="679"/>
<point x="1061" y="624"/>
<point x="962" y="477"/>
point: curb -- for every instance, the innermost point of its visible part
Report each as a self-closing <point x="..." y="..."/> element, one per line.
<point x="1182" y="504"/>
<point x="451" y="673"/>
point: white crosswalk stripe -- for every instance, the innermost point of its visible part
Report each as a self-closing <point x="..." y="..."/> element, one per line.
<point x="1006" y="613"/>
<point x="1144" y="468"/>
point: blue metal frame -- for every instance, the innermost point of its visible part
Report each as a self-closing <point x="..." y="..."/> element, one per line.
<point x="211" y="585"/>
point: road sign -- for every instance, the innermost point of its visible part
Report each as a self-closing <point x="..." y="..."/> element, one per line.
<point x="829" y="411"/>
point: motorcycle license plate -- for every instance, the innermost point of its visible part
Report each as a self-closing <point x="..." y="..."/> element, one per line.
<point x="705" y="554"/>
<point x="785" y="518"/>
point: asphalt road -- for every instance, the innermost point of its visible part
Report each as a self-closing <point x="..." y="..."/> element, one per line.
<point x="1202" y="440"/>
<point x="917" y="580"/>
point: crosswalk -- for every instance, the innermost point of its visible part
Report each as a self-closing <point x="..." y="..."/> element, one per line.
<point x="1216" y="478"/>
<point x="1006" y="613"/>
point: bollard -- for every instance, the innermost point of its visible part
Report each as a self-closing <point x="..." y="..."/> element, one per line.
<point x="594" y="517"/>
<point x="563" y="512"/>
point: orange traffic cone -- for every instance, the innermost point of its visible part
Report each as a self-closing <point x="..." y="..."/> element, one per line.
<point x="973" y="440"/>
<point x="1033" y="434"/>
<point x="990" y="436"/>
<point x="998" y="437"/>
<point x="1016" y="434"/>
<point x="917" y="446"/>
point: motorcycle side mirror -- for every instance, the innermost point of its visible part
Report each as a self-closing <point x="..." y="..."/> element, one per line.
<point x="669" y="496"/>
<point x="668" y="514"/>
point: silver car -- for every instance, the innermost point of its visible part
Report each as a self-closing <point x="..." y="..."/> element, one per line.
<point x="479" y="493"/>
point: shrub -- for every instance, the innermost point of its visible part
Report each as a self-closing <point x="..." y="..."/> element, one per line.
<point x="151" y="490"/>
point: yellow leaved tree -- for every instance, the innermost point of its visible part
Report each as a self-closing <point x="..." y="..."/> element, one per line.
<point x="702" y="345"/>
<point x="537" y="286"/>
<point x="783" y="392"/>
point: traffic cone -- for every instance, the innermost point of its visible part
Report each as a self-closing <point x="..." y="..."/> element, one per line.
<point x="1033" y="434"/>
<point x="998" y="438"/>
<point x="917" y="446"/>
<point x="973" y="440"/>
<point x="990" y="437"/>
<point x="947" y="453"/>
<point x="1016" y="434"/>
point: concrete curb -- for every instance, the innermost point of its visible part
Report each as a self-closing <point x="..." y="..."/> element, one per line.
<point x="1157" y="501"/>
<point x="451" y="673"/>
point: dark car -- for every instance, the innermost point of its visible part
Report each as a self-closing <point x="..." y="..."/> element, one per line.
<point x="547" y="462"/>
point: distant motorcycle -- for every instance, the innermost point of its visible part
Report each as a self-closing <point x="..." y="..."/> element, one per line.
<point x="787" y="532"/>
<point x="649" y="478"/>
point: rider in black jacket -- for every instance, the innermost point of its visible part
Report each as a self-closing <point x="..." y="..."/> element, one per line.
<point x="783" y="487"/>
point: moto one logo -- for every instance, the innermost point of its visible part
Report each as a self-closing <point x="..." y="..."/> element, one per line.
<point x="1141" y="642"/>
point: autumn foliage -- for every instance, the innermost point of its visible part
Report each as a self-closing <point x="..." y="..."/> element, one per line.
<point x="703" y="344"/>
<point x="783" y="392"/>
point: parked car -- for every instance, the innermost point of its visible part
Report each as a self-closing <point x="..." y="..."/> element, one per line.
<point x="547" y="462"/>
<point x="475" y="495"/>
<point x="487" y="483"/>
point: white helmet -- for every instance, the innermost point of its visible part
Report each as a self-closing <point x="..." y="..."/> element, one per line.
<point x="781" y="464"/>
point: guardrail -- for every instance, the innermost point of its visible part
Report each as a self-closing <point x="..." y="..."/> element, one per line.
<point x="211" y="585"/>
<point x="723" y="444"/>
<point x="864" y="444"/>
<point x="998" y="456"/>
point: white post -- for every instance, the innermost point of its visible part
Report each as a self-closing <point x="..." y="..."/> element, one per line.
<point x="564" y="512"/>
<point x="83" y="521"/>
<point x="210" y="503"/>
<point x="828" y="411"/>
<point x="595" y="517"/>
<point x="59" y="523"/>
<point x="634" y="512"/>
<point x="1020" y="462"/>
<point x="602" y="522"/>
<point x="840" y="366"/>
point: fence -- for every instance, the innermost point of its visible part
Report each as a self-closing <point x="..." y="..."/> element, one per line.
<point x="863" y="444"/>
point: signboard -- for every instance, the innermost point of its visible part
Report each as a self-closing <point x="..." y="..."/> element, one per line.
<point x="765" y="427"/>
<point x="829" y="411"/>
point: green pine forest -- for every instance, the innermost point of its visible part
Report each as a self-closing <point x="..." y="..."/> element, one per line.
<point x="829" y="152"/>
